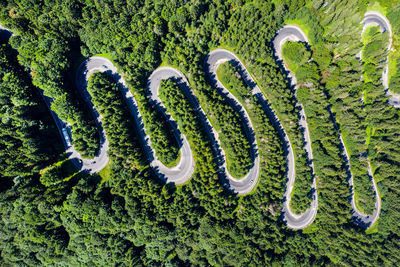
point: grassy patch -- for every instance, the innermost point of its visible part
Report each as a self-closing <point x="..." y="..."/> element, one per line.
<point x="166" y="63"/>
<point x="57" y="173"/>
<point x="310" y="229"/>
<point x="350" y="146"/>
<point x="60" y="159"/>
<point x="394" y="63"/>
<point x="357" y="200"/>
<point x="369" y="132"/>
<point x="393" y="57"/>
<point x="376" y="6"/>
<point x="174" y="162"/>
<point x="368" y="33"/>
<point x="105" y="172"/>
<point x="295" y="56"/>
<point x="222" y="46"/>
<point x="292" y="65"/>
<point x="373" y="229"/>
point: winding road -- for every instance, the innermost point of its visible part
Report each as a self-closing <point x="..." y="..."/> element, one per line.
<point x="185" y="168"/>
<point x="293" y="33"/>
<point x="295" y="221"/>
<point x="178" y="174"/>
<point x="101" y="158"/>
<point x="374" y="18"/>
<point x="245" y="184"/>
<point x="371" y="18"/>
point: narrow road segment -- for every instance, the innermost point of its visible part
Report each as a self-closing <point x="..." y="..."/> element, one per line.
<point x="296" y="221"/>
<point x="184" y="169"/>
<point x="245" y="184"/>
<point x="101" y="158"/>
<point x="374" y="18"/>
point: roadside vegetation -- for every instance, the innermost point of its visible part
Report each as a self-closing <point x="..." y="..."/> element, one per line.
<point x="296" y="57"/>
<point x="57" y="172"/>
<point x="273" y="83"/>
<point x="28" y="139"/>
<point x="236" y="145"/>
<point x="394" y="60"/>
<point x="374" y="60"/>
<point x="269" y="144"/>
<point x="47" y="58"/>
<point x="363" y="113"/>
<point x="160" y="132"/>
<point x="189" y="123"/>
<point x="227" y="122"/>
<point x="117" y="121"/>
<point x="133" y="218"/>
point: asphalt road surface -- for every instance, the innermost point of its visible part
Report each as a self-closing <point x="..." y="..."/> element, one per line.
<point x="5" y="34"/>
<point x="296" y="221"/>
<point x="374" y="18"/>
<point x="87" y="165"/>
<point x="101" y="159"/>
<point x="184" y="169"/>
<point x="248" y="182"/>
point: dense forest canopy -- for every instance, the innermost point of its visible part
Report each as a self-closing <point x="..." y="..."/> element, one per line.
<point x="126" y="216"/>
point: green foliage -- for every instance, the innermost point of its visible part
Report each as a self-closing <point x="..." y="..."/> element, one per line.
<point x="45" y="52"/>
<point x="133" y="219"/>
<point x="369" y="33"/>
<point x="374" y="55"/>
<point x="394" y="84"/>
<point x="27" y="135"/>
<point x="271" y="81"/>
<point x="265" y="133"/>
<point x="238" y="162"/>
<point x="355" y="116"/>
<point x="295" y="55"/>
<point x="392" y="15"/>
<point x="118" y="126"/>
<point x="161" y="134"/>
<point x="188" y="121"/>
<point x="52" y="176"/>
<point x="56" y="173"/>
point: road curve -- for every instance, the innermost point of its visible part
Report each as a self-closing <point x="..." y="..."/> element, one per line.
<point x="359" y="217"/>
<point x="374" y="18"/>
<point x="295" y="221"/>
<point x="87" y="165"/>
<point x="184" y="170"/>
<point x="178" y="174"/>
<point x="248" y="182"/>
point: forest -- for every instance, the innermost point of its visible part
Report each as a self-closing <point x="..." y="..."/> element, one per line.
<point x="124" y="215"/>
